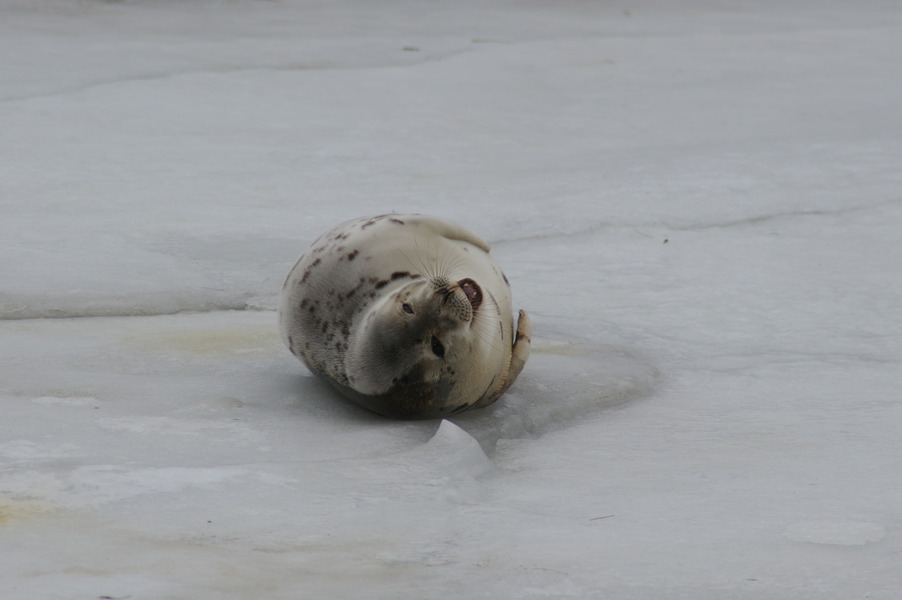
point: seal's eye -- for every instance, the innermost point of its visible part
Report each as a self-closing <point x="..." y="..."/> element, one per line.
<point x="437" y="348"/>
<point x="407" y="308"/>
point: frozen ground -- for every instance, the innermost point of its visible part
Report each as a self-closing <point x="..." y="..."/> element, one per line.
<point x="699" y="205"/>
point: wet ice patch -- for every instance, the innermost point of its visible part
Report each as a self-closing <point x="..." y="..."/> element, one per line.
<point x="565" y="380"/>
<point x="838" y="532"/>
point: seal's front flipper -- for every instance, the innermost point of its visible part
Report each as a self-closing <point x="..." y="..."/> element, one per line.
<point x="519" y="354"/>
<point x="521" y="347"/>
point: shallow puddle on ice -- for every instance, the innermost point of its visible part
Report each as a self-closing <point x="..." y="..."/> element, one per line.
<point x="836" y="532"/>
<point x="564" y="381"/>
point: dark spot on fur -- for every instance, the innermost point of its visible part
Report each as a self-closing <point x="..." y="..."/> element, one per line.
<point x="310" y="268"/>
<point x="400" y="274"/>
<point x="351" y="293"/>
<point x="304" y="303"/>
<point x="381" y="284"/>
<point x="353" y="254"/>
<point x="398" y="221"/>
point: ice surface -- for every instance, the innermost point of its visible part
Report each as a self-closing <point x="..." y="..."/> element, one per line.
<point x="699" y="203"/>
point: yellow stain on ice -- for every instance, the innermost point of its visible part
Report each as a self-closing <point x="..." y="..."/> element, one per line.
<point x="558" y="347"/>
<point x="13" y="510"/>
<point x="220" y="341"/>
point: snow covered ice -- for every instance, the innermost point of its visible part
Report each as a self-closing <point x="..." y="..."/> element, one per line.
<point x="699" y="203"/>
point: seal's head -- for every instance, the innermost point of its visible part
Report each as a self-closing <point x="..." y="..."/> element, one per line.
<point x="420" y="337"/>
